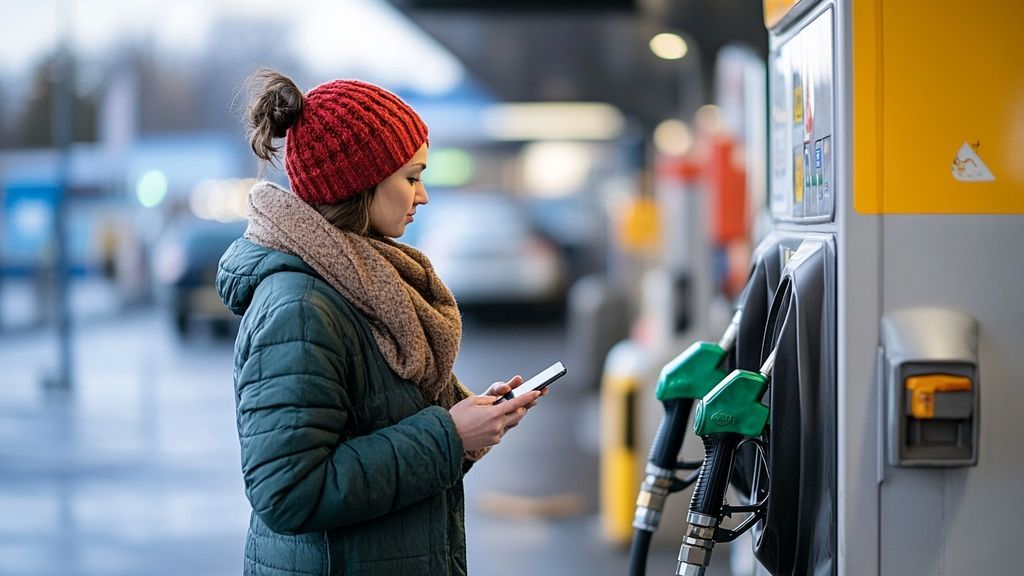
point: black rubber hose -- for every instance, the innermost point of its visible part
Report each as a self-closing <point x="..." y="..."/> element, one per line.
<point x="669" y="439"/>
<point x="709" y="494"/>
<point x="638" y="552"/>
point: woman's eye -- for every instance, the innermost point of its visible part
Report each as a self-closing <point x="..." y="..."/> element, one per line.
<point x="413" y="180"/>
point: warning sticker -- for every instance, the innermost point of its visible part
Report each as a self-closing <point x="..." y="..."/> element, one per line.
<point x="968" y="167"/>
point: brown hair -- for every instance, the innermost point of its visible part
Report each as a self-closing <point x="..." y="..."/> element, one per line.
<point x="274" y="107"/>
<point x="351" y="215"/>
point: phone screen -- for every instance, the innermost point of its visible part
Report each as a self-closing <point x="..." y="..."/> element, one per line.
<point x="538" y="382"/>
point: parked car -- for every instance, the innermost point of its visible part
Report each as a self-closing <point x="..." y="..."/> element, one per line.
<point x="185" y="264"/>
<point x="486" y="249"/>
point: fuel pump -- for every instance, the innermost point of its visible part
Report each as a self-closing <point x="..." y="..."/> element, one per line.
<point x="687" y="379"/>
<point x="891" y="209"/>
<point x="730" y="415"/>
<point x="785" y="412"/>
<point x="682" y="381"/>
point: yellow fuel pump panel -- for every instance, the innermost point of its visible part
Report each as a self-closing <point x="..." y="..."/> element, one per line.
<point x="938" y="107"/>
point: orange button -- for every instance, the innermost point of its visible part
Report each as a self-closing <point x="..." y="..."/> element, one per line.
<point x="923" y="388"/>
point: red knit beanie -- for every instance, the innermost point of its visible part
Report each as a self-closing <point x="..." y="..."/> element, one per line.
<point x="350" y="136"/>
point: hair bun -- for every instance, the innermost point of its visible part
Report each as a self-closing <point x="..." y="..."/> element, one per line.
<point x="275" y="107"/>
<point x="286" y="110"/>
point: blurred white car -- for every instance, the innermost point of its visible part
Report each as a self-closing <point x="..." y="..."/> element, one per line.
<point x="487" y="251"/>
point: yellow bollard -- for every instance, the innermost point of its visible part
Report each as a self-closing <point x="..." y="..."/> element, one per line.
<point x="620" y="480"/>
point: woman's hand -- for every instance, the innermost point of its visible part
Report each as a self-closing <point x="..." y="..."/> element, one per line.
<point x="499" y="389"/>
<point x="481" y="423"/>
<point x="502" y="388"/>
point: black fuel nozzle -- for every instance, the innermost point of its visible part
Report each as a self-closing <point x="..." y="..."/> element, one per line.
<point x="730" y="412"/>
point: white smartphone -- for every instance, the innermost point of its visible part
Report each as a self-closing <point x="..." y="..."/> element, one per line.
<point x="538" y="382"/>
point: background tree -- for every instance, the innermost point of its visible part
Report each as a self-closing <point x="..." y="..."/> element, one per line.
<point x="35" y="128"/>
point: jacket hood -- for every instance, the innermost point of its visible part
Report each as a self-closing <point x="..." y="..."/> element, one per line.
<point x="244" y="265"/>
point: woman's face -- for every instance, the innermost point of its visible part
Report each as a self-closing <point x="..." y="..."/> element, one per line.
<point x="397" y="197"/>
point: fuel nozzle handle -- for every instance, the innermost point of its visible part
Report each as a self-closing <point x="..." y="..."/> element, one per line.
<point x="669" y="439"/>
<point x="709" y="494"/>
<point x="706" y="505"/>
<point x="687" y="378"/>
<point x="682" y="381"/>
<point x="731" y="411"/>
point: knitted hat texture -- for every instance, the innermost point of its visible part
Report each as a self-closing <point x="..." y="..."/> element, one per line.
<point x="350" y="136"/>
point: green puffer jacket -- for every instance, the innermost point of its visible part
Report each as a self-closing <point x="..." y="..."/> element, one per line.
<point x="348" y="470"/>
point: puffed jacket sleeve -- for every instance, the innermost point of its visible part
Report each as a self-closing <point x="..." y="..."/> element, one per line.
<point x="301" y="473"/>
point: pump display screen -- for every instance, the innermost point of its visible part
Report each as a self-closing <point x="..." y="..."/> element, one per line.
<point x="801" y="132"/>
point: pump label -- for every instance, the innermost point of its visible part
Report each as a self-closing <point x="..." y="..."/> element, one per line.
<point x="968" y="167"/>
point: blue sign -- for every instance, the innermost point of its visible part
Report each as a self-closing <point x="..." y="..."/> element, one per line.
<point x="28" y="213"/>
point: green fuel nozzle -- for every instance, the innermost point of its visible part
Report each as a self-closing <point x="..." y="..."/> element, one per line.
<point x="688" y="377"/>
<point x="693" y="373"/>
<point x="684" y="380"/>
<point x="731" y="411"/>
<point x="734" y="405"/>
<point x="698" y="369"/>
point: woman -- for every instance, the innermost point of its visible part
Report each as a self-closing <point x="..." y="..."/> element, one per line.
<point x="354" y="432"/>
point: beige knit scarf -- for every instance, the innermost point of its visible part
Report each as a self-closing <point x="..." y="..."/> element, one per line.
<point x="412" y="314"/>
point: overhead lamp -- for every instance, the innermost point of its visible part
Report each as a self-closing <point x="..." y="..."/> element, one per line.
<point x="556" y="169"/>
<point x="552" y="121"/>
<point x="669" y="46"/>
